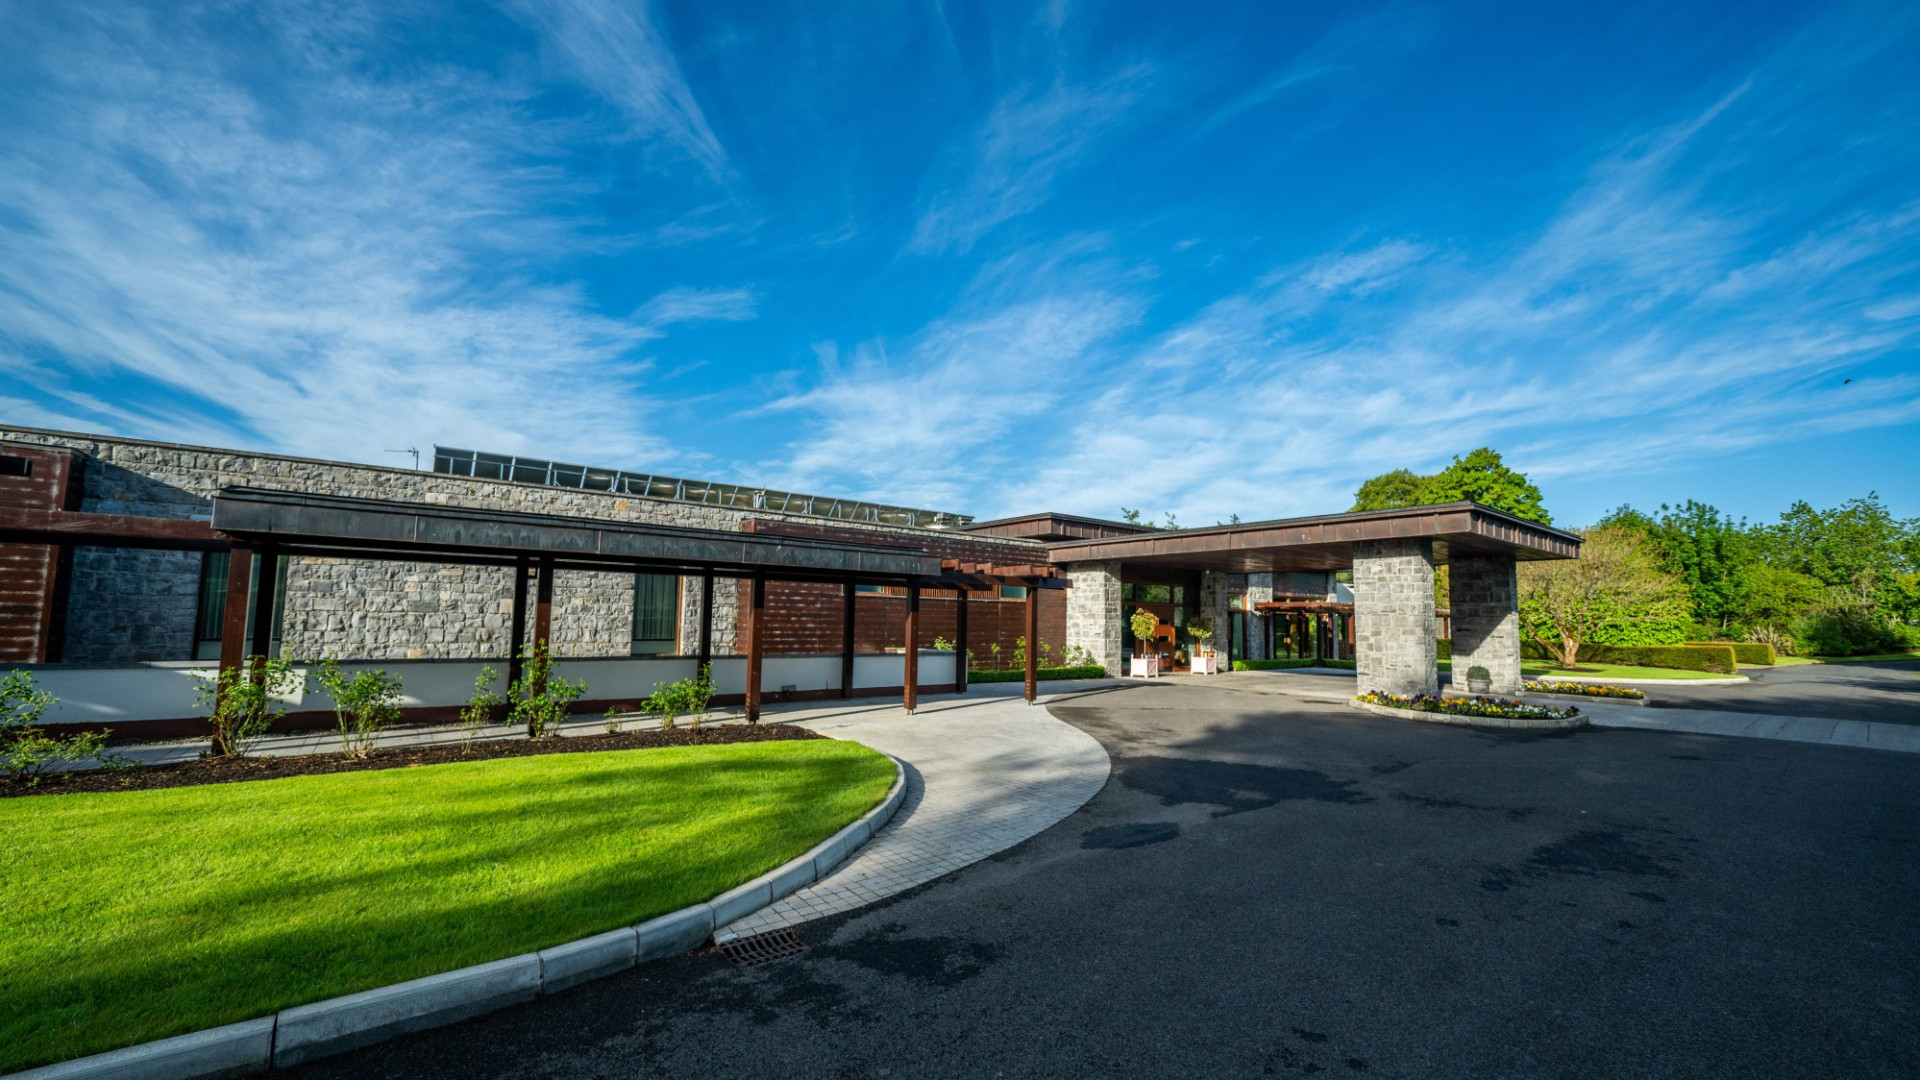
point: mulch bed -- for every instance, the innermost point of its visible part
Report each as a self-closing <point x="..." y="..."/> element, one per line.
<point x="233" y="770"/>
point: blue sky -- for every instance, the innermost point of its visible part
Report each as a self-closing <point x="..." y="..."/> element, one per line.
<point x="1211" y="259"/>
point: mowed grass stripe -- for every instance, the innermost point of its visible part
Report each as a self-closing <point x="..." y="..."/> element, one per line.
<point x="132" y="916"/>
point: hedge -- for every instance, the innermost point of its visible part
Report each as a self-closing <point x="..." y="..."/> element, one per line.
<point x="1087" y="671"/>
<point x="1747" y="652"/>
<point x="1716" y="658"/>
<point x="1283" y="665"/>
<point x="1443" y="647"/>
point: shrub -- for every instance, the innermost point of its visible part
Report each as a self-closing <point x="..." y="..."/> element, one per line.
<point x="362" y="705"/>
<point x="1849" y="631"/>
<point x="1745" y="652"/>
<point x="243" y="703"/>
<point x="1650" y="632"/>
<point x="1716" y="658"/>
<point x="1443" y="648"/>
<point x="480" y="708"/>
<point x="1283" y="665"/>
<point x="943" y="644"/>
<point x="25" y="750"/>
<point x="539" y="698"/>
<point x="689" y="697"/>
<point x="1471" y="706"/>
<point x="1045" y="674"/>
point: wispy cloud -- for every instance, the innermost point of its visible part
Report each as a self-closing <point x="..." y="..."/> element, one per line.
<point x="363" y="271"/>
<point x="1008" y="165"/>
<point x="698" y="305"/>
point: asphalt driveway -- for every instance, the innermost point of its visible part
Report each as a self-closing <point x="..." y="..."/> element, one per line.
<point x="1886" y="691"/>
<point x="1273" y="888"/>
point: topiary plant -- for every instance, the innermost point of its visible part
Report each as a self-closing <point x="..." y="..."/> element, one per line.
<point x="1144" y="623"/>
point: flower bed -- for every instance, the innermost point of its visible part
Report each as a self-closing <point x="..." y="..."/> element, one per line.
<point x="1491" y="708"/>
<point x="1542" y="686"/>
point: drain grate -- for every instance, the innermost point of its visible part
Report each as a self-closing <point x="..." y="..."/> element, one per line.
<point x="763" y="948"/>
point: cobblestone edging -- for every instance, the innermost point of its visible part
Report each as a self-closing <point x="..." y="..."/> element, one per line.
<point x="1568" y="724"/>
<point x="324" y="1028"/>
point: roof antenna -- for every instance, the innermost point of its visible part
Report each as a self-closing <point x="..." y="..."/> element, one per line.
<point x="409" y="450"/>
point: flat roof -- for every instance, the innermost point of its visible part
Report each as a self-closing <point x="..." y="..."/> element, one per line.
<point x="1325" y="542"/>
<point x="333" y="525"/>
<point x="1052" y="526"/>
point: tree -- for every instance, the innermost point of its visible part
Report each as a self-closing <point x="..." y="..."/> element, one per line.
<point x="1712" y="554"/>
<point x="1617" y="578"/>
<point x="1481" y="476"/>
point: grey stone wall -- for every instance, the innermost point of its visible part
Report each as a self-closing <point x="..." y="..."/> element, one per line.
<point x="1484" y="596"/>
<point x="1093" y="612"/>
<point x="1394" y="624"/>
<point x="726" y="615"/>
<point x="1259" y="591"/>
<point x="1216" y="602"/>
<point x="139" y="605"/>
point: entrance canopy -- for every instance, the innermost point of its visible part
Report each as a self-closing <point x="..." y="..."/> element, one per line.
<point x="337" y="526"/>
<point x="1326" y="542"/>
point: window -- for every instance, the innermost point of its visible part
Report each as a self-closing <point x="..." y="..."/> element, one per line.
<point x="15" y="466"/>
<point x="656" y="614"/>
<point x="869" y="588"/>
<point x="1013" y="592"/>
<point x="210" y="617"/>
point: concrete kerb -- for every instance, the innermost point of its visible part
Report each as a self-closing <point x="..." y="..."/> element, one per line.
<point x="1517" y="723"/>
<point x="336" y="1025"/>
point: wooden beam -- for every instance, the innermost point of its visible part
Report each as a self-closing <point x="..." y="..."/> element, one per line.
<point x="706" y="619"/>
<point x="960" y="642"/>
<point x="756" y="643"/>
<point x="911" y="670"/>
<point x="233" y="624"/>
<point x="848" y="605"/>
<point x="1033" y="645"/>
<point x="43" y="526"/>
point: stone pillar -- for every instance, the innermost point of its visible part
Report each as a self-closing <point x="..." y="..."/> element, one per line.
<point x="1215" y="604"/>
<point x="1484" y="595"/>
<point x="1093" y="612"/>
<point x="1394" y="622"/>
<point x="1259" y="591"/>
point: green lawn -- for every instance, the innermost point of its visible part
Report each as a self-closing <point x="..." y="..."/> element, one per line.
<point x="135" y="915"/>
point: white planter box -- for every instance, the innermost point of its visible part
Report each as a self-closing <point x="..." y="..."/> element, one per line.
<point x="1145" y="667"/>
<point x="1206" y="665"/>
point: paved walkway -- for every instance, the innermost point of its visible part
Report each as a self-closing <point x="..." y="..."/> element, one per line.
<point x="1808" y="729"/>
<point x="984" y="772"/>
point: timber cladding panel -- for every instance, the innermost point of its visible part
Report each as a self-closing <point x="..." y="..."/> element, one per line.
<point x="805" y="617"/>
<point x="34" y="577"/>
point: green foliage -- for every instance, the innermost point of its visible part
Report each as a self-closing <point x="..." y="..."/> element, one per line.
<point x="1143" y="624"/>
<point x="1618" y="579"/>
<point x="1746" y="652"/>
<point x="1481" y="476"/>
<point x="26" y="751"/>
<point x="1491" y="708"/>
<point x="1201" y="627"/>
<point x="480" y="709"/>
<point x="1045" y="674"/>
<point x="1476" y="673"/>
<point x="539" y="698"/>
<point x="943" y="644"/>
<point x="1443" y="648"/>
<point x="688" y="697"/>
<point x="1852" y="630"/>
<point x="1650" y="631"/>
<point x="1714" y="659"/>
<point x="362" y="705"/>
<point x="243" y="702"/>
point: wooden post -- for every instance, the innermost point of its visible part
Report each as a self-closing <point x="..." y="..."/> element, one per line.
<point x="960" y="643"/>
<point x="517" y="634"/>
<point x="706" y="619"/>
<point x="1033" y="642"/>
<point x="266" y="577"/>
<point x="847" y="608"/>
<point x="233" y="624"/>
<point x="756" y="637"/>
<point x="911" y="669"/>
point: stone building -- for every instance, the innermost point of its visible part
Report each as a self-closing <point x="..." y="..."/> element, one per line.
<point x="162" y="604"/>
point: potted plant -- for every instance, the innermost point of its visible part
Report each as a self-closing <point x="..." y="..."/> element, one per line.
<point x="1478" y="680"/>
<point x="1201" y="628"/>
<point x="1146" y="661"/>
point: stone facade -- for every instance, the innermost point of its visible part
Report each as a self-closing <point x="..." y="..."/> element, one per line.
<point x="1483" y="594"/>
<point x="1259" y="591"/>
<point x="1394" y="623"/>
<point x="1093" y="613"/>
<point x="1216" y="603"/>
<point x="136" y="605"/>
